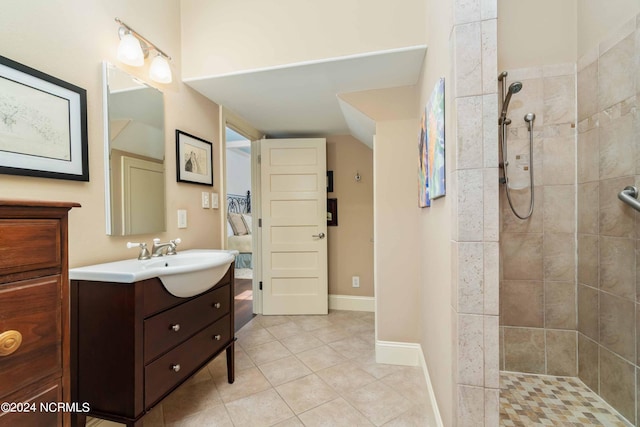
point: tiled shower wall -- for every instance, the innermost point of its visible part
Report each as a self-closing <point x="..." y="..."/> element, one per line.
<point x="538" y="255"/>
<point x="474" y="240"/>
<point x="608" y="230"/>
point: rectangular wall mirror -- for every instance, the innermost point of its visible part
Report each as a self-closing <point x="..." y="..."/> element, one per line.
<point x="134" y="155"/>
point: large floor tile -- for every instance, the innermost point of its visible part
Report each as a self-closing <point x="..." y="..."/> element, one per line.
<point x="259" y="410"/>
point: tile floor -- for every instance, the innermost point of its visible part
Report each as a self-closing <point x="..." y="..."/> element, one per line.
<point x="542" y="400"/>
<point x="300" y="371"/>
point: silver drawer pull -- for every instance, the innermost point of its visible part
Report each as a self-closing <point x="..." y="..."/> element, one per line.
<point x="217" y="337"/>
<point x="175" y="327"/>
<point x="175" y="368"/>
<point x="319" y="236"/>
<point x="216" y="305"/>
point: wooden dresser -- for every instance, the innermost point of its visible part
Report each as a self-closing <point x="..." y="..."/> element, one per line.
<point x="34" y="311"/>
<point x="133" y="343"/>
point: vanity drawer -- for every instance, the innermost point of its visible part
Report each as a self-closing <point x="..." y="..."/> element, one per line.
<point x="162" y="375"/>
<point x="29" y="245"/>
<point x="157" y="298"/>
<point x="30" y="311"/>
<point x="167" y="329"/>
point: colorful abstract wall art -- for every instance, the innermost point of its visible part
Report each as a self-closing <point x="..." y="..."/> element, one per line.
<point x="435" y="141"/>
<point x="423" y="162"/>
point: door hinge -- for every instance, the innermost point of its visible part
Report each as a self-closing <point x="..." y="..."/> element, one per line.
<point x="259" y="222"/>
<point x="260" y="285"/>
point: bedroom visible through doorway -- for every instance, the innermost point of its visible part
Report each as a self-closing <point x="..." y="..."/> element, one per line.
<point x="240" y="221"/>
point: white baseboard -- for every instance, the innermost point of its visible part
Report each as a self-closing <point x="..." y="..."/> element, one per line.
<point x="408" y="354"/>
<point x="352" y="303"/>
<point x="432" y="394"/>
<point x="397" y="353"/>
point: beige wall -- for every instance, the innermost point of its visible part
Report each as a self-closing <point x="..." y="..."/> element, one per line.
<point x="597" y="19"/>
<point x="265" y="36"/>
<point x="397" y="255"/>
<point x="536" y="32"/>
<point x="351" y="242"/>
<point x="69" y="40"/>
<point x="435" y="223"/>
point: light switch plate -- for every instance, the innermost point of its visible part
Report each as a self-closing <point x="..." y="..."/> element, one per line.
<point x="215" y="202"/>
<point x="205" y="200"/>
<point x="182" y="218"/>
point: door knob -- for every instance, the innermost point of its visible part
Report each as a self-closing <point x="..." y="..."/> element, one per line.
<point x="319" y="236"/>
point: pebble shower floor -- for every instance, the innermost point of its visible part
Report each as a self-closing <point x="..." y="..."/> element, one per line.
<point x="540" y="400"/>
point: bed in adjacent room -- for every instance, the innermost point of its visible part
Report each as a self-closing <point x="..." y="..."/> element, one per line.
<point x="239" y="224"/>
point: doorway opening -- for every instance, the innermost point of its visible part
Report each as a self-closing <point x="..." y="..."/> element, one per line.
<point x="239" y="213"/>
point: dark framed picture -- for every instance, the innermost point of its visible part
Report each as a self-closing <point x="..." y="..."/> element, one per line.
<point x="43" y="124"/>
<point x="329" y="181"/>
<point x="332" y="212"/>
<point x="193" y="159"/>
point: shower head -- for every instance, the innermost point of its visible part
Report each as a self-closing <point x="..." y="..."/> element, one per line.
<point x="514" y="87"/>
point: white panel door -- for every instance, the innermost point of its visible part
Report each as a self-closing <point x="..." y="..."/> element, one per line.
<point x="294" y="226"/>
<point x="142" y="186"/>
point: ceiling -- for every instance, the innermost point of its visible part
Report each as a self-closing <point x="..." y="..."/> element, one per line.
<point x="313" y="98"/>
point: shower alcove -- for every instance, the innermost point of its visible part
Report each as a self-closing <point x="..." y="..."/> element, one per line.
<point x="569" y="311"/>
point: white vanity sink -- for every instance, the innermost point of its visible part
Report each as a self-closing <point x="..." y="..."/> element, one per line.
<point x="185" y="274"/>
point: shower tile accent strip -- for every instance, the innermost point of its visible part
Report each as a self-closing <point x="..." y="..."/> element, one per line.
<point x="527" y="400"/>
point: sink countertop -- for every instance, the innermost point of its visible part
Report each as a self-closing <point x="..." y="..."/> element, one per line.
<point x="133" y="270"/>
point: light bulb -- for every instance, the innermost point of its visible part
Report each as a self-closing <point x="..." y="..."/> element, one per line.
<point x="160" y="71"/>
<point x="130" y="51"/>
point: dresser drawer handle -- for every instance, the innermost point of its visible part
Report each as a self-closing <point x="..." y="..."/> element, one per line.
<point x="216" y="305"/>
<point x="175" y="327"/>
<point x="9" y="342"/>
<point x="176" y="367"/>
<point x="217" y="337"/>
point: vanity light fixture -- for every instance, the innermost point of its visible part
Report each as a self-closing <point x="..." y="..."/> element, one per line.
<point x="134" y="48"/>
<point x="159" y="70"/>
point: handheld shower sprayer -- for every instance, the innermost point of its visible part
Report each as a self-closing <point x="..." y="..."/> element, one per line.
<point x="503" y="122"/>
<point x="514" y="87"/>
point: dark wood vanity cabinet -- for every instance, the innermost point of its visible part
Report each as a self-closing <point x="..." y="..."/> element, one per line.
<point x="34" y="312"/>
<point x="133" y="343"/>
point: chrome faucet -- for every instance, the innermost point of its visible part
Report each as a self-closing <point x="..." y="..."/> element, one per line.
<point x="170" y="247"/>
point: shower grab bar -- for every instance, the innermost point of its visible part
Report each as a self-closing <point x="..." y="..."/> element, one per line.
<point x="630" y="196"/>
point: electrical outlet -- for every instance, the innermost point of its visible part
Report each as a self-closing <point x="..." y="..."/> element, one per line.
<point x="215" y="203"/>
<point x="355" y="281"/>
<point x="205" y="200"/>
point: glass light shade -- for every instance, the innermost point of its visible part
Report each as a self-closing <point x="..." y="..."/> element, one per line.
<point x="160" y="71"/>
<point x="130" y="51"/>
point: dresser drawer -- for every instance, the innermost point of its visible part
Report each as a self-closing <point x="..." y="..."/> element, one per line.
<point x="165" y="330"/>
<point x="33" y="309"/>
<point x="163" y="374"/>
<point x="29" y="245"/>
<point x="34" y="395"/>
